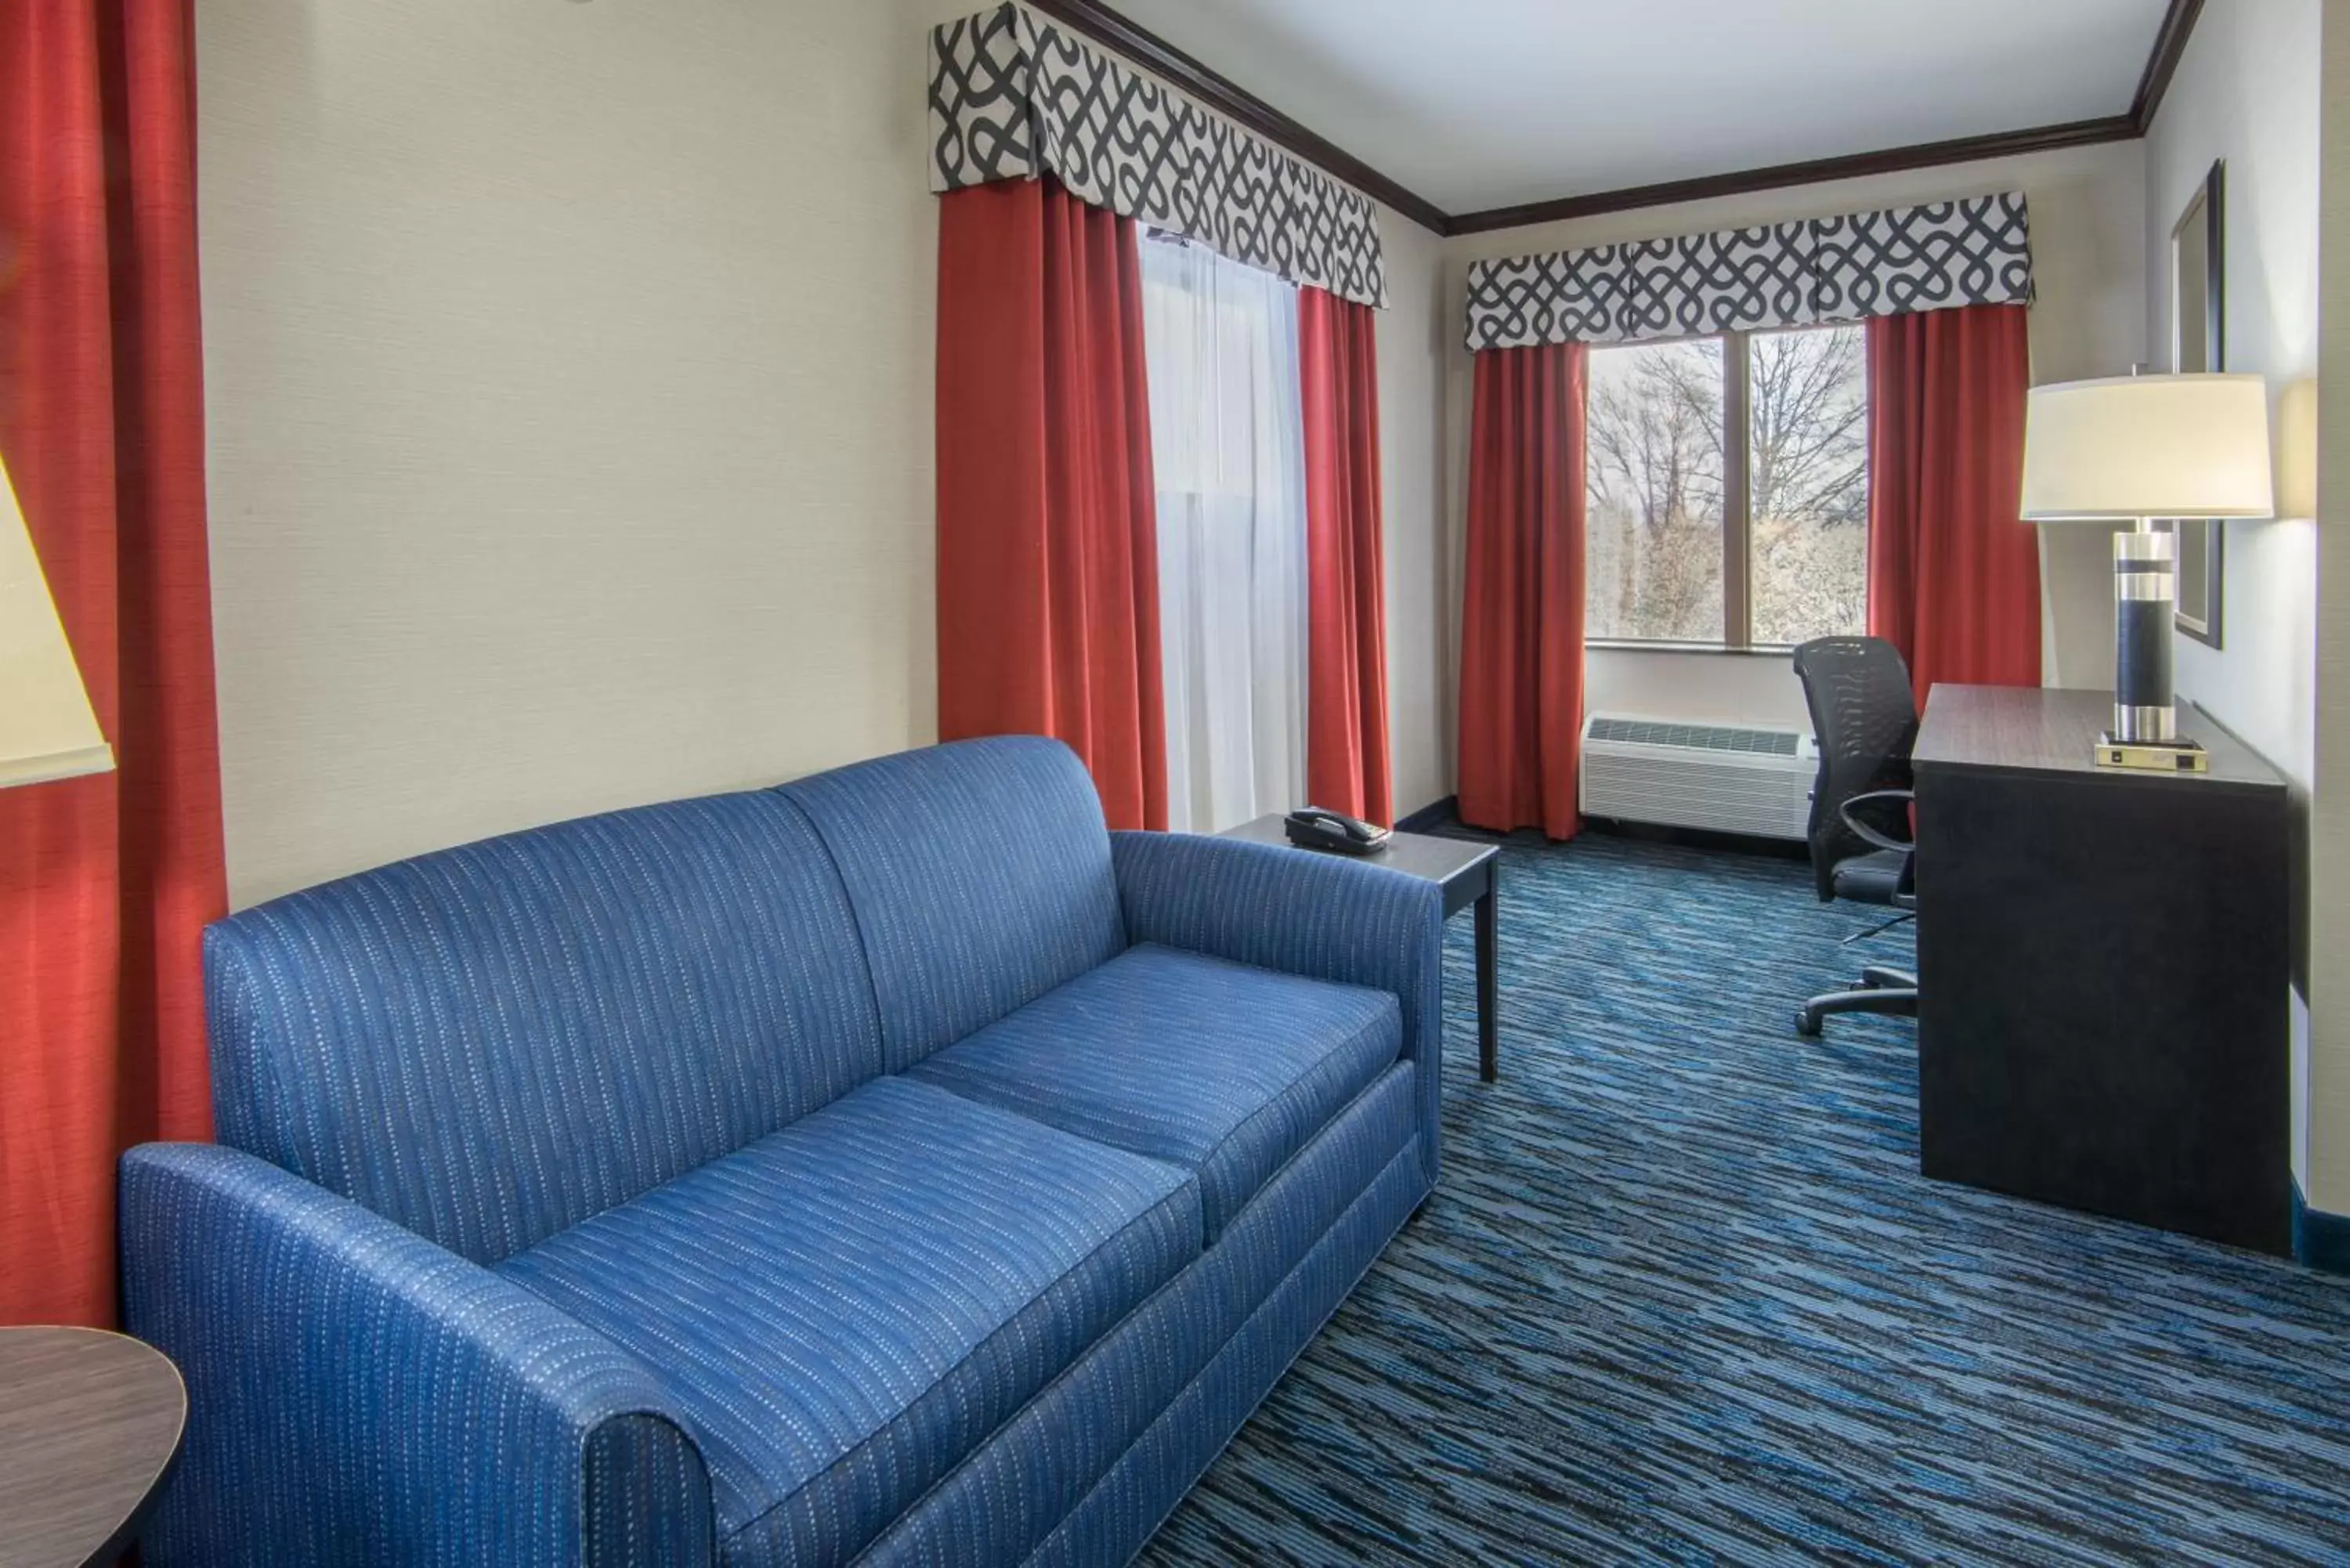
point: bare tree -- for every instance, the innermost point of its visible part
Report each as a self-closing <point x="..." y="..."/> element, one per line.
<point x="1654" y="450"/>
<point x="1656" y="465"/>
<point x="1809" y="456"/>
<point x="1809" y="470"/>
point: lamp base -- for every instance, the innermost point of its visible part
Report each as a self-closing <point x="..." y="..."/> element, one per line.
<point x="2171" y="756"/>
<point x="2145" y="593"/>
<point x="2145" y="724"/>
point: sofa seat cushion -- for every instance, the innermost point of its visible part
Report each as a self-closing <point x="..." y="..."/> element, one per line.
<point x="847" y="1307"/>
<point x="1221" y="1067"/>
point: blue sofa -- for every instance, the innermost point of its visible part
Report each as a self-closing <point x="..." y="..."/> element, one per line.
<point x="894" y="1166"/>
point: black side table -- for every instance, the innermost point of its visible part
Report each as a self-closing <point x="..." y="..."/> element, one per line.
<point x="1468" y="873"/>
<point x="91" y="1425"/>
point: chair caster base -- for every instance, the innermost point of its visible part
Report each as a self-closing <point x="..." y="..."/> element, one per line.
<point x="1893" y="1000"/>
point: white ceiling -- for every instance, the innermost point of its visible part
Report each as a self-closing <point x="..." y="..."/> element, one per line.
<point x="1489" y="103"/>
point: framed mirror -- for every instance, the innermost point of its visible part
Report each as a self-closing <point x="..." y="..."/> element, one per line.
<point x="2198" y="341"/>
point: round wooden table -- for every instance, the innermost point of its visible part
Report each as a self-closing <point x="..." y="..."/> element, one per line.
<point x="90" y="1424"/>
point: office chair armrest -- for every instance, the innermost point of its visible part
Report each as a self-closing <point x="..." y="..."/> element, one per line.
<point x="1873" y="798"/>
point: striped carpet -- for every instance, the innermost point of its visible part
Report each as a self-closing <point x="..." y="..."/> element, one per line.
<point x="1683" y="1297"/>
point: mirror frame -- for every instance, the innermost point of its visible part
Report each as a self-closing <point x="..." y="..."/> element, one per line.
<point x="2208" y="317"/>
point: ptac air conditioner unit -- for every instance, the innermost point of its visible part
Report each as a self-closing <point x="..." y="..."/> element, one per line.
<point x="1729" y="778"/>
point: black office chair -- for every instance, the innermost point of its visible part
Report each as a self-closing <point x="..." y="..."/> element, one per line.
<point x="1865" y="719"/>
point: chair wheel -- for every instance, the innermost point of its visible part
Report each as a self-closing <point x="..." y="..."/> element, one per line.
<point x="1808" y="1023"/>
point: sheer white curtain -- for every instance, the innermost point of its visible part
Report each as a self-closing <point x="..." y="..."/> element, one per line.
<point x="1227" y="437"/>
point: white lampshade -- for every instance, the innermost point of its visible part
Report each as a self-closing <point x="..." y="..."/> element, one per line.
<point x="2147" y="446"/>
<point x="47" y="728"/>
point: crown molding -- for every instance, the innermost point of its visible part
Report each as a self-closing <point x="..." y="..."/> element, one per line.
<point x="1228" y="97"/>
<point x="1234" y="102"/>
<point x="2162" y="64"/>
<point x="1812" y="172"/>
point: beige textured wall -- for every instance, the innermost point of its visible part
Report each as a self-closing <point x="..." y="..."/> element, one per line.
<point x="2327" y="1174"/>
<point x="569" y="390"/>
<point x="1412" y="337"/>
<point x="2088" y="263"/>
<point x="2247" y="92"/>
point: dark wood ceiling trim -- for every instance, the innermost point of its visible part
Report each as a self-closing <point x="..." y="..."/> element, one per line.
<point x="2162" y="64"/>
<point x="1849" y="166"/>
<point x="1227" y="98"/>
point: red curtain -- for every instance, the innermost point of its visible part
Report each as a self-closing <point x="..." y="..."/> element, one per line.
<point x="1048" y="551"/>
<point x="1953" y="573"/>
<point x="1522" y="630"/>
<point x="105" y="882"/>
<point x="1346" y="640"/>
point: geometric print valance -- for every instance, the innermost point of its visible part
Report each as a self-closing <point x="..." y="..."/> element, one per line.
<point x="1013" y="96"/>
<point x="1886" y="263"/>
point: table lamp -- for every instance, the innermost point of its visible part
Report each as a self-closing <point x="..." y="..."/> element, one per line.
<point x="47" y="728"/>
<point x="2136" y="448"/>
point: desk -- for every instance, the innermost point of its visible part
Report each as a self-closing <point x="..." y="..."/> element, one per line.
<point x="1465" y="872"/>
<point x="2102" y="967"/>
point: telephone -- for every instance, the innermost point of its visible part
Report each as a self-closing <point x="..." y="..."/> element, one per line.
<point x="1318" y="827"/>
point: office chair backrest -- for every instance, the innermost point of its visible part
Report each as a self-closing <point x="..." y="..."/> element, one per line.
<point x="1859" y="692"/>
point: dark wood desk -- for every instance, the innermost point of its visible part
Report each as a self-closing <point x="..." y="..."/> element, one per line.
<point x="1467" y="873"/>
<point x="2102" y="966"/>
<point x="89" y="1427"/>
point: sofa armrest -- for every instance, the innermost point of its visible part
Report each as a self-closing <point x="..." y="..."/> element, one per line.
<point x="358" y="1394"/>
<point x="1321" y="916"/>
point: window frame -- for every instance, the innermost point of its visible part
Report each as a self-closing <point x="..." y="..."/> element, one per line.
<point x="1737" y="499"/>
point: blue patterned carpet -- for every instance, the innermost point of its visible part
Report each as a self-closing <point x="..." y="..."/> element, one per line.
<point x="1683" y="1297"/>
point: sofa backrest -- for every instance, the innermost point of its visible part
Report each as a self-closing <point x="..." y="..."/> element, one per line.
<point x="981" y="876"/>
<point x="491" y="1043"/>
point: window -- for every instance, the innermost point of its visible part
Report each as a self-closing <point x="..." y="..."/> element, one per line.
<point x="1654" y="464"/>
<point x="1726" y="489"/>
<point x="1227" y="435"/>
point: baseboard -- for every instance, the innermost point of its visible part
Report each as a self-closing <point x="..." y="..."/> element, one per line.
<point x="1428" y="816"/>
<point x="2320" y="1240"/>
<point x="1445" y="812"/>
<point x="1700" y="838"/>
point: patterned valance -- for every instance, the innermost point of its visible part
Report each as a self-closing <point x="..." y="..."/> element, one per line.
<point x="1013" y="96"/>
<point x="1974" y="252"/>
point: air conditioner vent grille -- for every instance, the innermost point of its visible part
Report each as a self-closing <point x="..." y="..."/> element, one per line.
<point x="1695" y="737"/>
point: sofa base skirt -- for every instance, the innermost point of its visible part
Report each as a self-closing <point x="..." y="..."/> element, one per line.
<point x="1089" y="1469"/>
<point x="1143" y="1488"/>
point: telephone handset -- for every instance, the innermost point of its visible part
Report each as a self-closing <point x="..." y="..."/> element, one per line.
<point x="1317" y="828"/>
